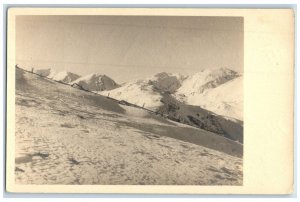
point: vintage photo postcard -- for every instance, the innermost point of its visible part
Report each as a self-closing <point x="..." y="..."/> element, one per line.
<point x="181" y="101"/>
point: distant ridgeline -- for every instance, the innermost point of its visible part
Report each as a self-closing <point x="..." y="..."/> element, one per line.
<point x="207" y="100"/>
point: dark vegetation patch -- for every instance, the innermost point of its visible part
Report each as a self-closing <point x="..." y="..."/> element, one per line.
<point x="165" y="83"/>
<point x="200" y="118"/>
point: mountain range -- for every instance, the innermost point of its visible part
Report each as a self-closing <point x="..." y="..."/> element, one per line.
<point x="211" y="99"/>
<point x="219" y="91"/>
<point x="70" y="136"/>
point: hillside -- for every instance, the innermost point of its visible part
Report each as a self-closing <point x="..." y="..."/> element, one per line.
<point x="219" y="91"/>
<point x="201" y="118"/>
<point x="211" y="109"/>
<point x="68" y="136"/>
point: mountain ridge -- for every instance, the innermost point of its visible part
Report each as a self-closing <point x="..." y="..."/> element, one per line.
<point x="211" y="90"/>
<point x="96" y="82"/>
<point x="188" y="89"/>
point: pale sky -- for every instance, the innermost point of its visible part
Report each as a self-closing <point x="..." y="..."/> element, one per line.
<point x="129" y="47"/>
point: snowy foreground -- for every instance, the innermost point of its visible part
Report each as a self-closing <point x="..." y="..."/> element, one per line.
<point x="68" y="136"/>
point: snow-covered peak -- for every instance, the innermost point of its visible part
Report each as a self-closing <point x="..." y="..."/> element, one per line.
<point x="146" y="92"/>
<point x="208" y="75"/>
<point x="96" y="82"/>
<point x="206" y="79"/>
<point x="65" y="77"/>
<point x="225" y="99"/>
<point x="138" y="92"/>
<point x="45" y="72"/>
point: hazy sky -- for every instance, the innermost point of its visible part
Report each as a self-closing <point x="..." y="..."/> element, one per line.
<point x="129" y="47"/>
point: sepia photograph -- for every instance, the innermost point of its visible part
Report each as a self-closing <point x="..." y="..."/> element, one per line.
<point x="149" y="101"/>
<point x="129" y="100"/>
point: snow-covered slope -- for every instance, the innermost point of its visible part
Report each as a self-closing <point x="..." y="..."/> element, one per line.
<point x="220" y="91"/>
<point x="65" y="77"/>
<point x="137" y="92"/>
<point x="66" y="136"/>
<point x="147" y="92"/>
<point x="206" y="79"/>
<point x="96" y="82"/>
<point x="216" y="90"/>
<point x="225" y="99"/>
<point x="157" y="94"/>
<point x="201" y="118"/>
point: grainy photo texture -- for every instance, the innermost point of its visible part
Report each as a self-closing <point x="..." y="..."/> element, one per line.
<point x="129" y="100"/>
